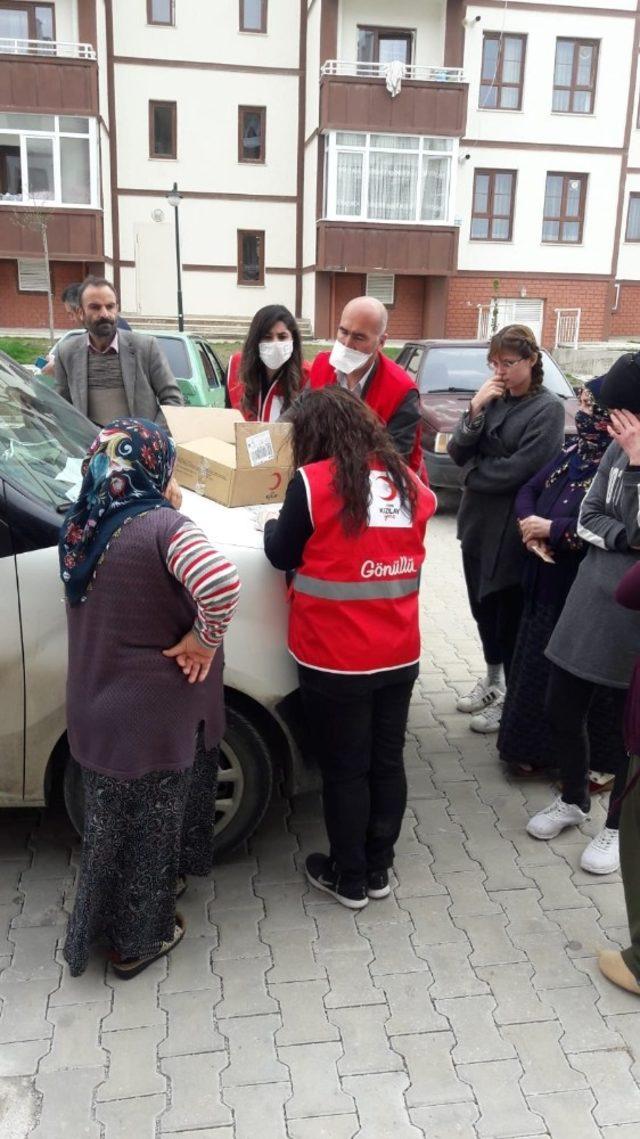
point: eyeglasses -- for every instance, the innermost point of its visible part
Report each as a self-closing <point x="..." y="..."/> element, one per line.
<point x="498" y="364"/>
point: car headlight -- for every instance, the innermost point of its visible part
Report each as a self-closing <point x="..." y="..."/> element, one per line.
<point x="440" y="442"/>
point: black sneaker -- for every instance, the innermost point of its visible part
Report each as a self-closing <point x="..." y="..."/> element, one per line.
<point x="324" y="875"/>
<point x="378" y="884"/>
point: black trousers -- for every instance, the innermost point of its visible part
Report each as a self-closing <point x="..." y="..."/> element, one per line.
<point x="358" y="732"/>
<point x="567" y="706"/>
<point x="497" y="616"/>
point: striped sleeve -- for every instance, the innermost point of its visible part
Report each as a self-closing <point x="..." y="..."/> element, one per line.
<point x="208" y="577"/>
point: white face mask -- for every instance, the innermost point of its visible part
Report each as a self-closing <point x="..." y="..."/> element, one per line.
<point x="275" y="353"/>
<point x="347" y="360"/>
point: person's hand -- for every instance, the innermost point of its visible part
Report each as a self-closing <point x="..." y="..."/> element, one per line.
<point x="625" y="429"/>
<point x="192" y="657"/>
<point x="491" y="389"/>
<point x="534" y="527"/>
<point x="263" y="514"/>
<point x="173" y="493"/>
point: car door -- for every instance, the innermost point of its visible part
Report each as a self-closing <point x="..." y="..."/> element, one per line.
<point x="12" y="710"/>
<point x="214" y="373"/>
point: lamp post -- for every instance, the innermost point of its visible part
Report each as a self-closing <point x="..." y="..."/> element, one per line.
<point x="174" y="198"/>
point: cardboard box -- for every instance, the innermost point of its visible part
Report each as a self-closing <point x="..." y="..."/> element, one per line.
<point x="225" y="458"/>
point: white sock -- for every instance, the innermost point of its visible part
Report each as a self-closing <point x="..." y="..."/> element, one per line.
<point x="495" y="676"/>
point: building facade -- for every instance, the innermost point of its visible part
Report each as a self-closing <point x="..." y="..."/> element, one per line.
<point x="445" y="157"/>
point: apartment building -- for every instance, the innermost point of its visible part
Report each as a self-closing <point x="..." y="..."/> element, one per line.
<point x="434" y="153"/>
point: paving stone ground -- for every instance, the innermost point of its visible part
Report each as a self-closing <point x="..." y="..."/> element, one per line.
<point x="467" y="1005"/>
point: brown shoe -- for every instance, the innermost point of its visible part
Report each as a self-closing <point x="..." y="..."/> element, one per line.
<point x="127" y="969"/>
<point x="612" y="964"/>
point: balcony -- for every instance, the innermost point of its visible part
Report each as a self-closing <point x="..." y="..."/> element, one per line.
<point x="73" y="235"/>
<point x="356" y="97"/>
<point x="360" y="247"/>
<point x="48" y="76"/>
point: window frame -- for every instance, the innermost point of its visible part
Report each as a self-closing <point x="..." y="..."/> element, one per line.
<point x="262" y="112"/>
<point x="407" y="34"/>
<point x="54" y="134"/>
<point x="260" y="234"/>
<point x="262" y="30"/>
<point x="490" y="215"/>
<point x="573" y="87"/>
<point x="497" y="83"/>
<point x="30" y="7"/>
<point x="332" y="150"/>
<point x="583" y="178"/>
<point x="153" y="103"/>
<point x="170" y="23"/>
<point x="634" y="194"/>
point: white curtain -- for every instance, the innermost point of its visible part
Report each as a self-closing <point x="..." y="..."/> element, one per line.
<point x="434" y="189"/>
<point x="392" y="186"/>
<point x="349" y="187"/>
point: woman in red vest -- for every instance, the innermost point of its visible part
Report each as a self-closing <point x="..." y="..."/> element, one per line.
<point x="352" y="528"/>
<point x="267" y="376"/>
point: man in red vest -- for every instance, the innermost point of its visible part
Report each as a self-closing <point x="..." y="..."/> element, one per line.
<point x="356" y="363"/>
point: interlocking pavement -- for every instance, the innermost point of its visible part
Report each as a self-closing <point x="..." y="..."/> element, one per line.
<point x="467" y="1005"/>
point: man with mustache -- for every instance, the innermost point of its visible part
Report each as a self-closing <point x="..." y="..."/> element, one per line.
<point x="112" y="373"/>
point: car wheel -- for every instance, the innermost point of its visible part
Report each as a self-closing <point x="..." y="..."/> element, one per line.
<point x="245" y="779"/>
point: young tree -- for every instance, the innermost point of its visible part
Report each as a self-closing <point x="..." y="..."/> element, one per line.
<point x="35" y="217"/>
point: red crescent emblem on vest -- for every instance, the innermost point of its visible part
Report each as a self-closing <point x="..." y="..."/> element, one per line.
<point x="393" y="489"/>
<point x="277" y="479"/>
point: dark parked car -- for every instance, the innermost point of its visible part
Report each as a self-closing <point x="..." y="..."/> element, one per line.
<point x="447" y="373"/>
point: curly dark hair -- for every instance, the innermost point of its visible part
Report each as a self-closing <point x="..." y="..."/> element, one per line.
<point x="252" y="370"/>
<point x="520" y="339"/>
<point x="331" y="423"/>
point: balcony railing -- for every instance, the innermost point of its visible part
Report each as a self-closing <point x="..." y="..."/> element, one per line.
<point x="422" y="73"/>
<point x="57" y="48"/>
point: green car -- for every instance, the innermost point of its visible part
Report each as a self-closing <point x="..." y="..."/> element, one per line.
<point x="196" y="367"/>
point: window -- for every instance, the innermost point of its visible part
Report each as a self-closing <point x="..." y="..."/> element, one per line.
<point x="27" y="22"/>
<point x="49" y="159"/>
<point x="250" y="257"/>
<point x="574" y="76"/>
<point x="502" y="71"/>
<point x="381" y="286"/>
<point x="383" y="45"/>
<point x="564" y="199"/>
<point x="381" y="177"/>
<point x="161" y="12"/>
<point x="633" y="219"/>
<point x="163" y="130"/>
<point x="253" y="15"/>
<point x="493" y="197"/>
<point x="32" y="276"/>
<point x="252" y="129"/>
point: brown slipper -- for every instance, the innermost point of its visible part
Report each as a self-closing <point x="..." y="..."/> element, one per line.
<point x="128" y="969"/>
<point x="612" y="964"/>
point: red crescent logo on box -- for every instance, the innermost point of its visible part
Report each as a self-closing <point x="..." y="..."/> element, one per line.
<point x="277" y="479"/>
<point x="394" y="490"/>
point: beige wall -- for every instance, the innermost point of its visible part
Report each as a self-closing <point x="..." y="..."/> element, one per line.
<point x="426" y="17"/>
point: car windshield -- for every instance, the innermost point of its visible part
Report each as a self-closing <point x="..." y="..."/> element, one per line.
<point x="176" y="352"/>
<point x="42" y="439"/>
<point x="464" y="369"/>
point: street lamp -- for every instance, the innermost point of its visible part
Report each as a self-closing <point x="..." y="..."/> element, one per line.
<point x="174" y="197"/>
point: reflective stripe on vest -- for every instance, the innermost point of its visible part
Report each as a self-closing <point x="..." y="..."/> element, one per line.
<point x="355" y="590"/>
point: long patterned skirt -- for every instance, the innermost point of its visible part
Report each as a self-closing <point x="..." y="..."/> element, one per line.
<point x="139" y="835"/>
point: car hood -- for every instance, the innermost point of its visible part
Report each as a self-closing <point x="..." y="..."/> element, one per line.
<point x="443" y="410"/>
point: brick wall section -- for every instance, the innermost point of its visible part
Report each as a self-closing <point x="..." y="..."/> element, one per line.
<point x="29" y="310"/>
<point x="592" y="296"/>
<point x="405" y="315"/>
<point x="626" y="321"/>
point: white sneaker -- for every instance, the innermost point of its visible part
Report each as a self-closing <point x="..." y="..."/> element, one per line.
<point x="558" y="815"/>
<point x="481" y="696"/>
<point x="489" y="720"/>
<point x="602" y="855"/>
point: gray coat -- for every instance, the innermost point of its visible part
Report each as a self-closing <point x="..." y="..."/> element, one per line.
<point x="514" y="440"/>
<point x="147" y="378"/>
<point x="595" y="638"/>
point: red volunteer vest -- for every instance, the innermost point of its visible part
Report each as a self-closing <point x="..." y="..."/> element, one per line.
<point x="388" y="388"/>
<point x="354" y="599"/>
<point x="268" y="410"/>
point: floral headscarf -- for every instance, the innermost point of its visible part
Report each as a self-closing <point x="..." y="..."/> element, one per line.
<point x="127" y="468"/>
<point x="593" y="437"/>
